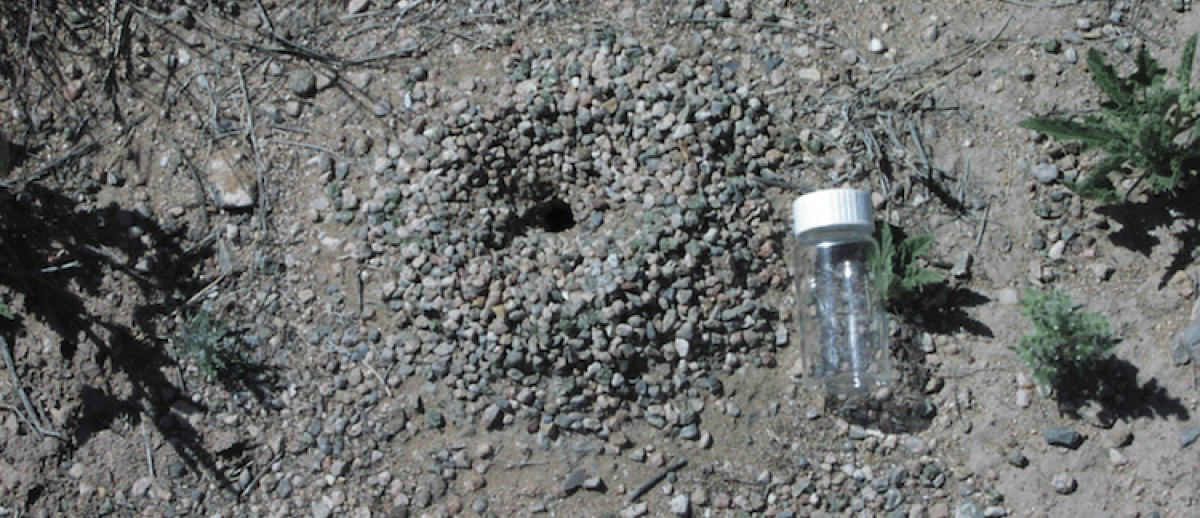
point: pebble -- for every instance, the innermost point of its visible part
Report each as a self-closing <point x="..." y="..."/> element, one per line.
<point x="1016" y="458"/>
<point x="1188" y="436"/>
<point x="634" y="511"/>
<point x="574" y="480"/>
<point x="303" y="83"/>
<point x="1064" y="436"/>
<point x="876" y="46"/>
<point x="962" y="265"/>
<point x="1064" y="483"/>
<point x="1023" y="398"/>
<point x="680" y="505"/>
<point x="1045" y="173"/>
<point x="356" y="6"/>
<point x="1185" y="346"/>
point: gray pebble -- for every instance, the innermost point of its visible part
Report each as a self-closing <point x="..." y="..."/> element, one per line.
<point x="1064" y="436"/>
<point x="1064" y="483"/>
<point x="1188" y="436"/>
<point x="303" y="83"/>
<point x="1045" y="173"/>
<point x="574" y="480"/>
<point x="690" y="432"/>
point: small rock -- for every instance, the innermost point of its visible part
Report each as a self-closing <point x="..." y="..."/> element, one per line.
<point x="995" y="511"/>
<point x="140" y="487"/>
<point x="1045" y="173"/>
<point x="1188" y="436"/>
<point x="1025" y="74"/>
<point x="962" y="265"/>
<point x="1116" y="457"/>
<point x="183" y="16"/>
<point x="1064" y="436"/>
<point x="574" y="480"/>
<point x="1057" y="250"/>
<point x="233" y="191"/>
<point x="320" y="510"/>
<point x="680" y="505"/>
<point x="690" y="432"/>
<point x="966" y="509"/>
<point x="634" y="511"/>
<point x="1023" y="398"/>
<point x="434" y="418"/>
<point x="1186" y="345"/>
<point x="356" y="6"/>
<point x="303" y="83"/>
<point x="492" y="417"/>
<point x="1064" y="483"/>
<point x="1016" y="458"/>
<point x="1100" y="270"/>
<point x="876" y="46"/>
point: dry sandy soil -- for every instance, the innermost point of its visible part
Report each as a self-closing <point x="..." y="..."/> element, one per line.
<point x="134" y="126"/>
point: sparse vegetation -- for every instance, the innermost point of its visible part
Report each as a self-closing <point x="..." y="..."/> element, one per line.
<point x="899" y="275"/>
<point x="1066" y="345"/>
<point x="204" y="340"/>
<point x="1147" y="130"/>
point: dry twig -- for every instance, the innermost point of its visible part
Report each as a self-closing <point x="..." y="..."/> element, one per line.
<point x="31" y="415"/>
<point x="646" y="486"/>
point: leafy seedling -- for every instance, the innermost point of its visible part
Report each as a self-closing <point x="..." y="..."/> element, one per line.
<point x="899" y="276"/>
<point x="1067" y="346"/>
<point x="1147" y="130"/>
<point x="203" y="339"/>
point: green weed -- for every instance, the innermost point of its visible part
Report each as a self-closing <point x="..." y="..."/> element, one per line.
<point x="202" y="339"/>
<point x="1066" y="346"/>
<point x="1143" y="126"/>
<point x="899" y="275"/>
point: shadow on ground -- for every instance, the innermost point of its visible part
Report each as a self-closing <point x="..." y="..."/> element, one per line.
<point x="55" y="257"/>
<point x="1179" y="213"/>
<point x="1114" y="387"/>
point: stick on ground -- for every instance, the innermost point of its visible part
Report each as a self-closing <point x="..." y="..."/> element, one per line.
<point x="646" y="486"/>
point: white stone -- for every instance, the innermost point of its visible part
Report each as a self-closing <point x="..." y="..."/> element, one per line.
<point x="357" y="6"/>
<point x="876" y="46"/>
<point x="680" y="505"/>
<point x="231" y="188"/>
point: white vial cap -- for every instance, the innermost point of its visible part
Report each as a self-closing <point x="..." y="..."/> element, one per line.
<point x="833" y="208"/>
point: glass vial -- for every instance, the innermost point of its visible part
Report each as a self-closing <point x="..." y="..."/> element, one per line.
<point x="842" y="322"/>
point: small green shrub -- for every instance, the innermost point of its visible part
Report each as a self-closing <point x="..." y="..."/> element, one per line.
<point x="202" y="339"/>
<point x="899" y="275"/>
<point x="1142" y="125"/>
<point x="1066" y="346"/>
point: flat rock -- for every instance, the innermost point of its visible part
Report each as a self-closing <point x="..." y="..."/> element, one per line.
<point x="232" y="188"/>
<point x="1185" y="346"/>
<point x="680" y="505"/>
<point x="1045" y="173"/>
<point x="574" y="480"/>
<point x="1064" y="436"/>
<point x="357" y="6"/>
<point x="1188" y="436"/>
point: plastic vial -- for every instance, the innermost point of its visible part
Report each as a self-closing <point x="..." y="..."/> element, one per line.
<point x="842" y="322"/>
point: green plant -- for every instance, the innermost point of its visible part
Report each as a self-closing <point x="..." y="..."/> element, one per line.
<point x="1143" y="125"/>
<point x="899" y="275"/>
<point x="1066" y="345"/>
<point x="203" y="339"/>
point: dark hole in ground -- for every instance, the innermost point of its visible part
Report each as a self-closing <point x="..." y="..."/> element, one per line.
<point x="554" y="215"/>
